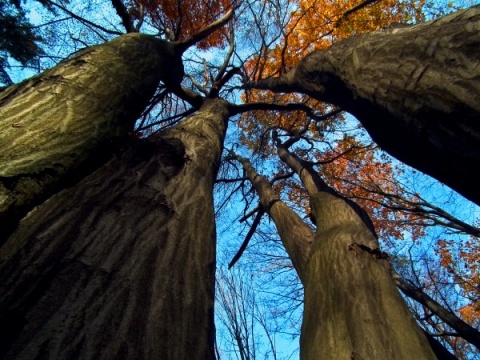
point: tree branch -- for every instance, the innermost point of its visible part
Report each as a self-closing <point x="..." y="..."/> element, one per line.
<point x="260" y="106"/>
<point x="314" y="183"/>
<point x="250" y="233"/>
<point x="189" y="96"/>
<point x="83" y="20"/>
<point x="347" y="13"/>
<point x="461" y="327"/>
<point x="122" y="11"/>
<point x="296" y="236"/>
<point x="205" y="32"/>
<point x="217" y="85"/>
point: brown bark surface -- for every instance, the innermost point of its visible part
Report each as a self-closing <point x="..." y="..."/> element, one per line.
<point x="415" y="89"/>
<point x="121" y="266"/>
<point x="352" y="309"/>
<point x="65" y="122"/>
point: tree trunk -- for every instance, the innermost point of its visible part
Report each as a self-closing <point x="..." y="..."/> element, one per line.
<point x="415" y="89"/>
<point x="65" y="122"/>
<point x="352" y="309"/>
<point x="121" y="266"/>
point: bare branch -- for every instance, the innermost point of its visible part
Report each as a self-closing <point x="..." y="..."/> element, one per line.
<point x="296" y="236"/>
<point x="189" y="96"/>
<point x="217" y="85"/>
<point x="83" y="20"/>
<point x="314" y="183"/>
<point x="199" y="87"/>
<point x="205" y="32"/>
<point x="462" y="328"/>
<point x="141" y="17"/>
<point x="122" y="11"/>
<point x="250" y="233"/>
<point x="231" y="41"/>
<point x="260" y="106"/>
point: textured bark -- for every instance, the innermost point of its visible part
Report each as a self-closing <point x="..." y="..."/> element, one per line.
<point x="414" y="89"/>
<point x="121" y="266"/>
<point x="296" y="236"/>
<point x="68" y="120"/>
<point x="352" y="309"/>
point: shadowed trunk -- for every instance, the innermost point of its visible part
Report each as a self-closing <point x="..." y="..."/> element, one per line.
<point x="62" y="124"/>
<point x="122" y="264"/>
<point x="415" y="89"/>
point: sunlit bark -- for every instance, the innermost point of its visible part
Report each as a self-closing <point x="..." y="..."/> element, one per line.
<point x="65" y="122"/>
<point x="352" y="309"/>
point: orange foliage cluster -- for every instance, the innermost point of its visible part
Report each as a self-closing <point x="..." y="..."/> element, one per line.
<point x="353" y="171"/>
<point x="312" y="26"/>
<point x="315" y="25"/>
<point x="184" y="18"/>
<point x="462" y="262"/>
<point x="256" y="126"/>
<point x="359" y="175"/>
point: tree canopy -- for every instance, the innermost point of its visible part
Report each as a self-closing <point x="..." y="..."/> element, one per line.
<point x="344" y="134"/>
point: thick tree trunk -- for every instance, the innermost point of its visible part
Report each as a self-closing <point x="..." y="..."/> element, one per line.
<point x="352" y="309"/>
<point x="121" y="266"/>
<point x="65" y="122"/>
<point x="415" y="89"/>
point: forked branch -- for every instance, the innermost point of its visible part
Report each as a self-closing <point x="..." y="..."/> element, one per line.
<point x="296" y="236"/>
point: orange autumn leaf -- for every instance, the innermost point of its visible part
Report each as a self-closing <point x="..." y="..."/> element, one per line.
<point x="462" y="262"/>
<point x="316" y="24"/>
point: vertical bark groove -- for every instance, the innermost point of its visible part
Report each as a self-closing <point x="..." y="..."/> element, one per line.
<point x="121" y="265"/>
